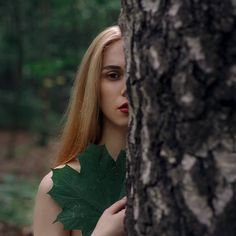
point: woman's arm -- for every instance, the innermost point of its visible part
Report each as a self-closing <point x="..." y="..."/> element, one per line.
<point x="46" y="211"/>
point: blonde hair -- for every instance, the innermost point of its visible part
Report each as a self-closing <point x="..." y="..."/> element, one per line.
<point x="84" y="121"/>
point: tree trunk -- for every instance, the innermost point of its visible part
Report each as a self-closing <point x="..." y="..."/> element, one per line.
<point x="181" y="85"/>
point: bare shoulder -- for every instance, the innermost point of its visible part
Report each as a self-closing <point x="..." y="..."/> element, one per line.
<point x="46" y="211"/>
<point x="46" y="183"/>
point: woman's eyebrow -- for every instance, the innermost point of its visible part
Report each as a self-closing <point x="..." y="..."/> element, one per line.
<point x="111" y="67"/>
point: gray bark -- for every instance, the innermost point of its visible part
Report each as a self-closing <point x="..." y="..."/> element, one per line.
<point x="181" y="85"/>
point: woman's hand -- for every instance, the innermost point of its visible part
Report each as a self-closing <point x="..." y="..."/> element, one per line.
<point x="111" y="222"/>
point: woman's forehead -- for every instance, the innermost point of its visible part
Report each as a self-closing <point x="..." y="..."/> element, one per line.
<point x="114" y="54"/>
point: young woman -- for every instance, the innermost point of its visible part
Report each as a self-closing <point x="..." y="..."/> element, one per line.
<point x="84" y="191"/>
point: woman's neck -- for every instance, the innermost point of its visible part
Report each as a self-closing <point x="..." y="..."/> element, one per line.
<point x="114" y="138"/>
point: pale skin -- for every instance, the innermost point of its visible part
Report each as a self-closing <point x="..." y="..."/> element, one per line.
<point x="112" y="93"/>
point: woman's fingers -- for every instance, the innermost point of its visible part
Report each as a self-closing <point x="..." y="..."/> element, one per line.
<point x="117" y="206"/>
<point x="121" y="213"/>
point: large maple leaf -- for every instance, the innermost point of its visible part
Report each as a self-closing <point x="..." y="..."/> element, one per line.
<point x="84" y="195"/>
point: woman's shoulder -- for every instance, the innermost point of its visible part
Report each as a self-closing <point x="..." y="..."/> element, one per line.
<point x="47" y="183"/>
<point x="46" y="209"/>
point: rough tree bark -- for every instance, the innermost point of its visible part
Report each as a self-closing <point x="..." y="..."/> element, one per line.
<point x="181" y="85"/>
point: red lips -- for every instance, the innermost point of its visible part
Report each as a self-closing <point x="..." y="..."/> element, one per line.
<point x="124" y="105"/>
<point x="124" y="108"/>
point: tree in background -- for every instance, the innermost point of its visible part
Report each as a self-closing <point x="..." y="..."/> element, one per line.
<point x="181" y="81"/>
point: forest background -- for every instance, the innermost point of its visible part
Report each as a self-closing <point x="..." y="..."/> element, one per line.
<point x="41" y="45"/>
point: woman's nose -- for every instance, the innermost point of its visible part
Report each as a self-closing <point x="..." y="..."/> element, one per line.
<point x="124" y="91"/>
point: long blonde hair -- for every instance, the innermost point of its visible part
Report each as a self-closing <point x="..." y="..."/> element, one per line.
<point x="84" y="119"/>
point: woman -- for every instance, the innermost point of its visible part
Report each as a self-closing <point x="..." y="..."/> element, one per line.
<point x="94" y="136"/>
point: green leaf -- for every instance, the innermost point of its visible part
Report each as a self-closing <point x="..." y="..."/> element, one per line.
<point x="84" y="196"/>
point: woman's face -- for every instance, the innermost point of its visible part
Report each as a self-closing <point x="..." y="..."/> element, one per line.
<point x="112" y="87"/>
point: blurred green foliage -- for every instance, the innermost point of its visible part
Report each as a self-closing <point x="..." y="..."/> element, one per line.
<point x="41" y="45"/>
<point x="17" y="200"/>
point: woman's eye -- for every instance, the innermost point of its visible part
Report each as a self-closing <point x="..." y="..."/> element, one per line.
<point x="113" y="75"/>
